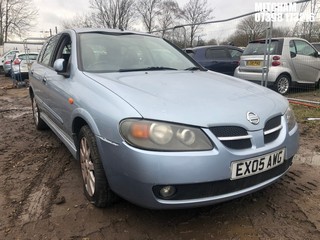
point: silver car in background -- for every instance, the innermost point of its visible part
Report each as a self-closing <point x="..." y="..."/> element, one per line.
<point x="293" y="62"/>
<point x="149" y="124"/>
<point x="21" y="63"/>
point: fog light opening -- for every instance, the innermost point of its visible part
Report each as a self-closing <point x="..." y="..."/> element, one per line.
<point x="167" y="191"/>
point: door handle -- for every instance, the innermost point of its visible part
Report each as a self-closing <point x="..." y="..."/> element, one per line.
<point x="44" y="80"/>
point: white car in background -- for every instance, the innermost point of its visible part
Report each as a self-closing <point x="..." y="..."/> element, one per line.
<point x="293" y="62"/>
<point x="5" y="61"/>
<point x="20" y="65"/>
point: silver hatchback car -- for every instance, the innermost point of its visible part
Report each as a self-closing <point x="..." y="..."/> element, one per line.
<point x="293" y="61"/>
<point x="149" y="124"/>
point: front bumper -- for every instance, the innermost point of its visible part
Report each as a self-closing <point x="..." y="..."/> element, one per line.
<point x="201" y="178"/>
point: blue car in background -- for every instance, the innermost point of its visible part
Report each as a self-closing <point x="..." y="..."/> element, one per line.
<point x="220" y="58"/>
<point x="149" y="124"/>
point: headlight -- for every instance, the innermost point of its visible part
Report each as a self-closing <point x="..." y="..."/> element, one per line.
<point x="290" y="118"/>
<point x="162" y="136"/>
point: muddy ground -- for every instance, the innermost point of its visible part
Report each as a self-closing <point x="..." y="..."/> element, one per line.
<point x="41" y="195"/>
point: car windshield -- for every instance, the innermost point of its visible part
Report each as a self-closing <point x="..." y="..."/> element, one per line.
<point x="101" y="52"/>
<point x="257" y="48"/>
<point x="317" y="46"/>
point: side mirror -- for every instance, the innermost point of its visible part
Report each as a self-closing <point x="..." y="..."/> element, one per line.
<point x="316" y="54"/>
<point x="293" y="54"/>
<point x="59" y="66"/>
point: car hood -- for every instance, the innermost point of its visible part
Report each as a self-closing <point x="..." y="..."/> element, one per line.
<point x="196" y="98"/>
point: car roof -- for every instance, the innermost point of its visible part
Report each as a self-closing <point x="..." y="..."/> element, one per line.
<point x="108" y="30"/>
<point x="278" y="38"/>
<point x="214" y="46"/>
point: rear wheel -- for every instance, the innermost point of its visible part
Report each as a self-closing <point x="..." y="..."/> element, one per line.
<point x="40" y="124"/>
<point x="96" y="187"/>
<point x="282" y="84"/>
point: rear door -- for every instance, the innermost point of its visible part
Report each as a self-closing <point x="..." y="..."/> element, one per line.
<point x="217" y="59"/>
<point x="38" y="73"/>
<point x="305" y="61"/>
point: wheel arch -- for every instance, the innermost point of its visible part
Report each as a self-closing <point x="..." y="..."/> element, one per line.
<point x="80" y="119"/>
<point x="287" y="74"/>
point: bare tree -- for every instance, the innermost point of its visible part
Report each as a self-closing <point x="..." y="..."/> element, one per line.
<point x="251" y="28"/>
<point x="79" y="21"/>
<point x="196" y="11"/>
<point x="169" y="15"/>
<point x="113" y="13"/>
<point x="148" y="10"/>
<point x="16" y="17"/>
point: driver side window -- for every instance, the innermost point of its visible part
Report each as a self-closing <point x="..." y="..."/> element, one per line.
<point x="304" y="48"/>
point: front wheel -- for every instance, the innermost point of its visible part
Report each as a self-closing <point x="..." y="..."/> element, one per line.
<point x="96" y="187"/>
<point x="282" y="84"/>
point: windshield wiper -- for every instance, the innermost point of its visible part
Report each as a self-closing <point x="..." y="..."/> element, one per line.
<point x="192" y="69"/>
<point x="146" y="69"/>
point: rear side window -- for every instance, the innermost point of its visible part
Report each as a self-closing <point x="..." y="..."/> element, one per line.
<point x="216" y="54"/>
<point x="235" y="54"/>
<point x="258" y="48"/>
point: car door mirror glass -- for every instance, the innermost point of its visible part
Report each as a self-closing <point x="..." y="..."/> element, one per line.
<point x="59" y="65"/>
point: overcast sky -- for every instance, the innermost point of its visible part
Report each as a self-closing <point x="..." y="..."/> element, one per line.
<point x="52" y="13"/>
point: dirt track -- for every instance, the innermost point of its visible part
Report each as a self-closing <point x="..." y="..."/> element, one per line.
<point x="41" y="195"/>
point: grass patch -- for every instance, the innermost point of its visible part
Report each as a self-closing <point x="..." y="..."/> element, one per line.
<point x="302" y="114"/>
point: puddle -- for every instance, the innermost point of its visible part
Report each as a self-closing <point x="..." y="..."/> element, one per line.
<point x="14" y="113"/>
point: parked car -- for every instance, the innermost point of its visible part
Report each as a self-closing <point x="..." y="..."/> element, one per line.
<point x="222" y="59"/>
<point x="20" y="65"/>
<point x="293" y="61"/>
<point x="316" y="45"/>
<point x="151" y="125"/>
<point x="5" y="61"/>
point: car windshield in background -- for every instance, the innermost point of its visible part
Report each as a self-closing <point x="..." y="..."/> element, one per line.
<point x="258" y="48"/>
<point x="317" y="46"/>
<point x="28" y="56"/>
<point x="129" y="52"/>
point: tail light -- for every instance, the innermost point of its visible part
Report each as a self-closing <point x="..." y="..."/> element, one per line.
<point x="7" y="62"/>
<point x="275" y="61"/>
<point x="16" y="61"/>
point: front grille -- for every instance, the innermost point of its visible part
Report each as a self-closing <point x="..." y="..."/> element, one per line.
<point x="232" y="136"/>
<point x="210" y="189"/>
<point x="272" y="129"/>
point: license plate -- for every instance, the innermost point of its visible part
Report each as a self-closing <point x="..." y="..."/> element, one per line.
<point x="254" y="63"/>
<point x="249" y="167"/>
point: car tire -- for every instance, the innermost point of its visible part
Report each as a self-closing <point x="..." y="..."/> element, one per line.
<point x="96" y="186"/>
<point x="8" y="74"/>
<point x="282" y="84"/>
<point x="39" y="123"/>
<point x="317" y="85"/>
